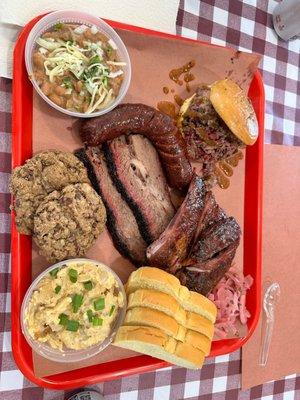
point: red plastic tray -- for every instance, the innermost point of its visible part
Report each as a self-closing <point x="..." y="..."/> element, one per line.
<point x="21" y="244"/>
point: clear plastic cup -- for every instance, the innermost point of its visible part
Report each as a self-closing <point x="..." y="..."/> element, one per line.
<point x="82" y="18"/>
<point x="69" y="355"/>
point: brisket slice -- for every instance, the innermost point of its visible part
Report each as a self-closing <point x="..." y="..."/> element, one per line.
<point x="135" y="169"/>
<point x="121" y="222"/>
<point x="206" y="275"/>
<point x="175" y="243"/>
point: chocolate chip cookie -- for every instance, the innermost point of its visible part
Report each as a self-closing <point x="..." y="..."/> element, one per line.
<point x="46" y="171"/>
<point x="68" y="222"/>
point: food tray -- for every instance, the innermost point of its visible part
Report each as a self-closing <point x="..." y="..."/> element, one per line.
<point x="21" y="244"/>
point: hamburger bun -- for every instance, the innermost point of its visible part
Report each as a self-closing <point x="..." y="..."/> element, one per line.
<point x="235" y="109"/>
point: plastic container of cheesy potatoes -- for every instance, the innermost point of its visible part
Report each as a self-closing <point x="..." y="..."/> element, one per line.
<point x="69" y="355"/>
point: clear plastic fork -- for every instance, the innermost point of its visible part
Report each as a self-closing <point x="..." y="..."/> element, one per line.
<point x="270" y="299"/>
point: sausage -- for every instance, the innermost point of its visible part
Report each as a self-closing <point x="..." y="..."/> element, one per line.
<point x="156" y="126"/>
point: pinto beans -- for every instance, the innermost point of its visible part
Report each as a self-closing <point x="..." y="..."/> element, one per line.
<point x="56" y="99"/>
<point x="38" y="60"/>
<point x="46" y="88"/>
<point x="78" y="86"/>
<point x="59" y="90"/>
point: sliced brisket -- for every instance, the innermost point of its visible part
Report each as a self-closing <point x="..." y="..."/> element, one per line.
<point x="135" y="169"/>
<point x="121" y="221"/>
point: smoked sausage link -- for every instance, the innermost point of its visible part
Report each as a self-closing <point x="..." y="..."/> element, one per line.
<point x="145" y="120"/>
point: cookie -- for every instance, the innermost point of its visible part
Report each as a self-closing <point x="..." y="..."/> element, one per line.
<point x="68" y="222"/>
<point x="46" y="171"/>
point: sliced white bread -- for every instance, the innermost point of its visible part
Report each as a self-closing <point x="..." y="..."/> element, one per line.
<point x="167" y="304"/>
<point x="156" y="343"/>
<point x="160" y="280"/>
<point x="144" y="316"/>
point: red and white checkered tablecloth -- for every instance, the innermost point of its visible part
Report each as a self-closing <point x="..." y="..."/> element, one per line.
<point x="245" y="25"/>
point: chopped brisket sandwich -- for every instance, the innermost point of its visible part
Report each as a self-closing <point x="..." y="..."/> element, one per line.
<point x="217" y="121"/>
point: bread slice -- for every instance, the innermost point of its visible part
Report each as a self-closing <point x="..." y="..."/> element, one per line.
<point x="143" y="316"/>
<point x="165" y="303"/>
<point x="156" y="343"/>
<point x="158" y="301"/>
<point x="158" y="279"/>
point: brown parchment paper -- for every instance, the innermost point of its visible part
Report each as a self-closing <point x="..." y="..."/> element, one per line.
<point x="281" y="255"/>
<point x="152" y="58"/>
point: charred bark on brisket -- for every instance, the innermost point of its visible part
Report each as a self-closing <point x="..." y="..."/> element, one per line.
<point x="138" y="256"/>
<point x="136" y="172"/>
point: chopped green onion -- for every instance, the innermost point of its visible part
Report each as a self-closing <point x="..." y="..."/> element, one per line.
<point x="105" y="81"/>
<point x="90" y="315"/>
<point x="94" y="60"/>
<point x="112" y="310"/>
<point x="88" y="285"/>
<point x="63" y="319"/>
<point x="73" y="275"/>
<point x="77" y="301"/>
<point x="109" y="50"/>
<point x="57" y="289"/>
<point x="54" y="272"/>
<point x="72" y="325"/>
<point x="67" y="83"/>
<point x="58" y="26"/>
<point x="99" y="304"/>
<point x="97" y="321"/>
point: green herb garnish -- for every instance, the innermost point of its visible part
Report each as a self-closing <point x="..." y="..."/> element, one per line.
<point x="109" y="50"/>
<point x="105" y="81"/>
<point x="99" y="304"/>
<point x="77" y="301"/>
<point x="58" y="26"/>
<point x="54" y="272"/>
<point x="88" y="285"/>
<point x="90" y="315"/>
<point x="57" y="289"/>
<point x="72" y="325"/>
<point x="73" y="275"/>
<point x="112" y="309"/>
<point x="97" y="321"/>
<point x="67" y="82"/>
<point x="63" y="319"/>
<point x="94" y="60"/>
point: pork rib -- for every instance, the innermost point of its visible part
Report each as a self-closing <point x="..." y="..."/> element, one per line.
<point x="173" y="246"/>
<point x="204" y="276"/>
<point x="214" y="239"/>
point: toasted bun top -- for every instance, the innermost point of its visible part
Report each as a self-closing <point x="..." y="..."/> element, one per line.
<point x="235" y="109"/>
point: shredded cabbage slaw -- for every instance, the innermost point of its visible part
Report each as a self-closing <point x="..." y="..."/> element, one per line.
<point x="67" y="56"/>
